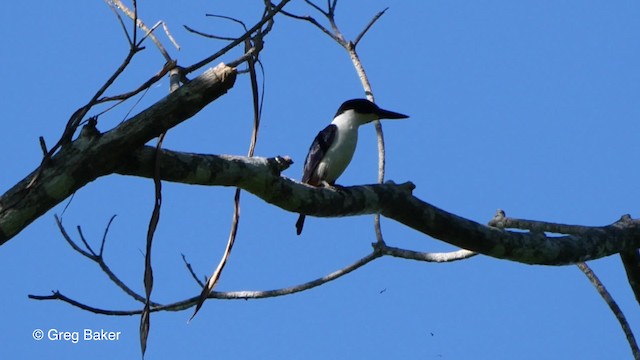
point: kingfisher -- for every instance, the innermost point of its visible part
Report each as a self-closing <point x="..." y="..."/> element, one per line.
<point x="332" y="149"/>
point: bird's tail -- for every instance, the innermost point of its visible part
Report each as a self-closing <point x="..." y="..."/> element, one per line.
<point x="300" y="224"/>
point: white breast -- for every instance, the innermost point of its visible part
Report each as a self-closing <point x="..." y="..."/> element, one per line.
<point x="341" y="150"/>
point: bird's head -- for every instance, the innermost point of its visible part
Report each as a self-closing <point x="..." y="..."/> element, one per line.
<point x="364" y="111"/>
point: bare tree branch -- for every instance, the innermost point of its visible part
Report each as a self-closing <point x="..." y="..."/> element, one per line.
<point x="133" y="15"/>
<point x="380" y="249"/>
<point x="261" y="177"/>
<point x="257" y="111"/>
<point x="315" y="23"/>
<point x="218" y="37"/>
<point x="631" y="261"/>
<point x="210" y="36"/>
<point x="425" y="256"/>
<point x="155" y="78"/>
<point x="145" y="318"/>
<point x="369" y="25"/>
<point x="190" y="269"/>
<point x="500" y="220"/>
<point x="265" y="19"/>
<point x="231" y="295"/>
<point x="213" y="279"/>
<point x="91" y="156"/>
<point x="122" y="150"/>
<point x="630" y="258"/>
<point x="112" y="6"/>
<point x="58" y="296"/>
<point x="614" y="308"/>
<point x="78" y="115"/>
<point x="76" y="118"/>
<point x="165" y="27"/>
<point x="319" y="9"/>
<point x="99" y="259"/>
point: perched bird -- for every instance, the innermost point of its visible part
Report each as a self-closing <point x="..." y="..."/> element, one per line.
<point x="332" y="149"/>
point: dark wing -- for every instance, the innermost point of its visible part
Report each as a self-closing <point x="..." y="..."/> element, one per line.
<point x="317" y="151"/>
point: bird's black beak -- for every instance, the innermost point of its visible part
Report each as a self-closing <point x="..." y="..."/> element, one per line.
<point x="386" y="114"/>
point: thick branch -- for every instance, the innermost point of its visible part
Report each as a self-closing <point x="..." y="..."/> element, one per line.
<point x="261" y="177"/>
<point x="93" y="155"/>
<point x="631" y="261"/>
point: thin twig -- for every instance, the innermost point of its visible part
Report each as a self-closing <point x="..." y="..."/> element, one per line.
<point x="99" y="259"/>
<point x="58" y="296"/>
<point x="210" y="36"/>
<point x="76" y="118"/>
<point x="315" y="23"/>
<point x="73" y="245"/>
<point x="325" y="13"/>
<point x="135" y="23"/>
<point x="257" y="110"/>
<point x="78" y="115"/>
<point x="256" y="95"/>
<point x="614" y="308"/>
<point x="84" y="241"/>
<point x="155" y="78"/>
<point x="265" y="19"/>
<point x="43" y="145"/>
<point x="134" y="16"/>
<point x="193" y="273"/>
<point x="244" y="26"/>
<point x="425" y="256"/>
<point x="231" y="295"/>
<point x="150" y="31"/>
<point x="104" y="235"/>
<point x="379" y="251"/>
<point x="369" y="25"/>
<point x="171" y="38"/>
<point x="217" y="37"/>
<point x="213" y="280"/>
<point x="148" y="270"/>
<point x="124" y="28"/>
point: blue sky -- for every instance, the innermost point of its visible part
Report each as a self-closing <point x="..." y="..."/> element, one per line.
<point x="527" y="106"/>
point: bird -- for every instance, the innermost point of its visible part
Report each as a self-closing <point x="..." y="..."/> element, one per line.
<point x="333" y="147"/>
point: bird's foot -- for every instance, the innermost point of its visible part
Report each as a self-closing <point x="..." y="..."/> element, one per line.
<point x="333" y="187"/>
